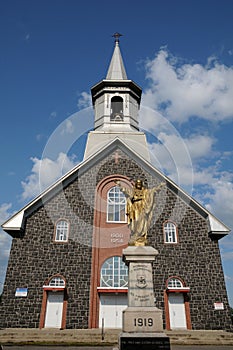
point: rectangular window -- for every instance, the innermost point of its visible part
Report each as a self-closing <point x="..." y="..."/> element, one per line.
<point x="62" y="229"/>
<point x="170" y="232"/>
<point x="116" y="205"/>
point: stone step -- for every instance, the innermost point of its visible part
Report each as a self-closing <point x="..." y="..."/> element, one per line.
<point x="200" y="337"/>
<point x="110" y="336"/>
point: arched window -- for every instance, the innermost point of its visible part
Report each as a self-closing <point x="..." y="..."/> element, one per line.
<point x="170" y="232"/>
<point x="116" y="202"/>
<point x="116" y="109"/>
<point x="114" y="273"/>
<point x="62" y="230"/>
<point x="57" y="282"/>
<point x="174" y="283"/>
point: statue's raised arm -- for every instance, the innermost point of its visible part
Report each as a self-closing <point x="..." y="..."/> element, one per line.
<point x="139" y="210"/>
<point x="127" y="192"/>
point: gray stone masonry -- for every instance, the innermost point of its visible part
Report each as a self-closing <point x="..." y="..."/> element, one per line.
<point x="35" y="256"/>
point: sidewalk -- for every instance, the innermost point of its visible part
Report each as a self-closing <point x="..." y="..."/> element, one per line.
<point x="32" y="336"/>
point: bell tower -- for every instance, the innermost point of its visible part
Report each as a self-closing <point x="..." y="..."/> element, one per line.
<point x="116" y="102"/>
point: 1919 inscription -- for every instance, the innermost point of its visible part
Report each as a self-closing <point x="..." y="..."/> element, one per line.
<point x="143" y="322"/>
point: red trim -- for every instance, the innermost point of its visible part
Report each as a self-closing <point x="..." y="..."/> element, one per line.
<point x="187" y="311"/>
<point x="50" y="278"/>
<point x="44" y="306"/>
<point x="166" y="309"/>
<point x="64" y="311"/>
<point x="186" y="305"/>
<point x="178" y="290"/>
<point x="46" y="289"/>
<point x="43" y="309"/>
<point x="178" y="278"/>
<point x="54" y="289"/>
<point x="103" y="247"/>
<point x="101" y="290"/>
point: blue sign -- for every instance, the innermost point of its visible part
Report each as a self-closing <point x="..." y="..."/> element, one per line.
<point x="21" y="292"/>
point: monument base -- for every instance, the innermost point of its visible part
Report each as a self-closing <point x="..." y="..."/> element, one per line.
<point x="145" y="341"/>
<point x="142" y="320"/>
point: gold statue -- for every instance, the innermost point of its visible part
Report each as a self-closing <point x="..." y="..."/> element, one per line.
<point x="139" y="210"/>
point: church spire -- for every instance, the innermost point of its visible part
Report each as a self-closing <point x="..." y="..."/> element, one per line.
<point x="116" y="70"/>
<point x="116" y="102"/>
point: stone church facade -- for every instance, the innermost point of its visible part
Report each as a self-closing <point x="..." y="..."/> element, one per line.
<point x="65" y="268"/>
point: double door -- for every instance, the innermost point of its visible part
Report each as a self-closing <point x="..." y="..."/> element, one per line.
<point x="111" y="307"/>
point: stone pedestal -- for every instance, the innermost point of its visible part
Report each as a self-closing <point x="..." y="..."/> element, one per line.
<point x="142" y="321"/>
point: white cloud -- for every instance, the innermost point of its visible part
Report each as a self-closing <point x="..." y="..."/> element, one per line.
<point x="221" y="199"/>
<point x="204" y="174"/>
<point x="84" y="100"/>
<point x="39" y="137"/>
<point x="68" y="127"/>
<point x="53" y="114"/>
<point x="172" y="159"/>
<point x="186" y="90"/>
<point x="204" y="177"/>
<point x="178" y="157"/>
<point x="5" y="211"/>
<point x="44" y="172"/>
<point x="179" y="92"/>
<point x="199" y="146"/>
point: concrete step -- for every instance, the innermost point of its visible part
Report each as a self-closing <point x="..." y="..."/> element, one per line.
<point x="201" y="337"/>
<point x="25" y="336"/>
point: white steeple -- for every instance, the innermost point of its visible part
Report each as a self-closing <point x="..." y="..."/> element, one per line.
<point x="116" y="99"/>
<point x="116" y="69"/>
<point x="116" y="102"/>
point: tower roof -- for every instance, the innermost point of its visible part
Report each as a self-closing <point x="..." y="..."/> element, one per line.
<point x="116" y="70"/>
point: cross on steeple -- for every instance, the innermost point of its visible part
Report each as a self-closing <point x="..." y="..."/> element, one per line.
<point x="116" y="70"/>
<point x="117" y="36"/>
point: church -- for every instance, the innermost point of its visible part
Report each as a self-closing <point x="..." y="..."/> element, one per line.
<point x="65" y="268"/>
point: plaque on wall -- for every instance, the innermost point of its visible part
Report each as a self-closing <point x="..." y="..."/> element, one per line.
<point x="21" y="292"/>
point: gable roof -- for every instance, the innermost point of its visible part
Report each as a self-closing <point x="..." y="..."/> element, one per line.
<point x="15" y="224"/>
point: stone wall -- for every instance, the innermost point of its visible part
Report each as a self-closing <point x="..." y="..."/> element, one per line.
<point x="36" y="257"/>
<point x="196" y="260"/>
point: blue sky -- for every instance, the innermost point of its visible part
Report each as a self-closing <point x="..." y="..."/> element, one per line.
<point x="179" y="52"/>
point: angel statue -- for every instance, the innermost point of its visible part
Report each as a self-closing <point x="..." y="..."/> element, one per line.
<point x="139" y="210"/>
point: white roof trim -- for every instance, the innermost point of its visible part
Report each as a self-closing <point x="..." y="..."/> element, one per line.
<point x="217" y="226"/>
<point x="16" y="221"/>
